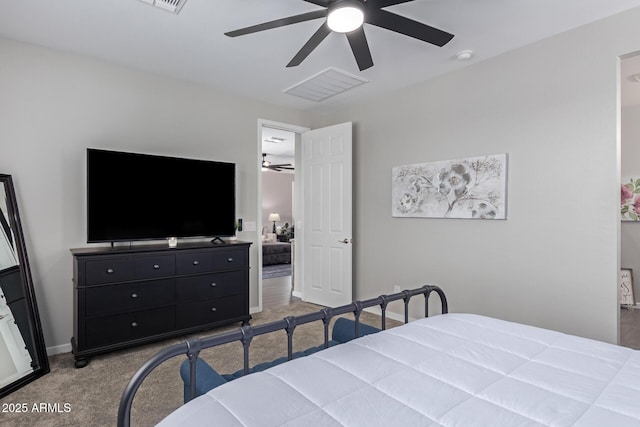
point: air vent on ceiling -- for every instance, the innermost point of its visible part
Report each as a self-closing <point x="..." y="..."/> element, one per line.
<point x="325" y="84"/>
<point x="173" y="6"/>
<point x="275" y="139"/>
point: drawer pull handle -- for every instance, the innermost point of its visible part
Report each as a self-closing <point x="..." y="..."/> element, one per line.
<point x="156" y="266"/>
<point x="109" y="270"/>
<point x="196" y="262"/>
<point x="213" y="285"/>
<point x="134" y="295"/>
<point x="229" y="259"/>
<point x="213" y="309"/>
<point x="134" y="324"/>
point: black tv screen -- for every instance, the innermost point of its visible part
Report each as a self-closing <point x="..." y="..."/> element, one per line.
<point x="139" y="196"/>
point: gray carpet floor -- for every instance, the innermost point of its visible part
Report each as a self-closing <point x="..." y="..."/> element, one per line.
<point x="630" y="327"/>
<point x="93" y="393"/>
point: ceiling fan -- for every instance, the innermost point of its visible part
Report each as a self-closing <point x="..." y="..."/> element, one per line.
<point x="347" y="16"/>
<point x="278" y="168"/>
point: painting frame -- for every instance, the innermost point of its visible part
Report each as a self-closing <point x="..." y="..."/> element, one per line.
<point x="466" y="188"/>
<point x="630" y="200"/>
<point x="626" y="295"/>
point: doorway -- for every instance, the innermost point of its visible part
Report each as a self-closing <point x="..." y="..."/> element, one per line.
<point x="630" y="200"/>
<point x="279" y="151"/>
<point x="322" y="252"/>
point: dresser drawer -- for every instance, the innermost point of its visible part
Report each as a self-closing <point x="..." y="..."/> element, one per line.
<point x="107" y="330"/>
<point x="211" y="311"/>
<point x="108" y="270"/>
<point x="194" y="262"/>
<point x="154" y="266"/>
<point x="102" y="300"/>
<point x="210" y="286"/>
<point x="229" y="259"/>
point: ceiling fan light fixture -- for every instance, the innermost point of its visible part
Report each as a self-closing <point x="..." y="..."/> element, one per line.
<point x="345" y="16"/>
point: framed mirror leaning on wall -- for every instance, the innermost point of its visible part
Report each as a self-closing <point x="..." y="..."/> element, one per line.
<point x="23" y="356"/>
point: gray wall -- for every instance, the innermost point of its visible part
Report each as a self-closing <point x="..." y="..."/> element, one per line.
<point x="630" y="231"/>
<point x="277" y="197"/>
<point x="55" y="105"/>
<point x="552" y="106"/>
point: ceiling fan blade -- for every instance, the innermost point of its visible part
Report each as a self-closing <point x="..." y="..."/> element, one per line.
<point x="324" y="3"/>
<point x="385" y="3"/>
<point x="408" y="27"/>
<point x="360" y="48"/>
<point x="278" y="23"/>
<point x="311" y="44"/>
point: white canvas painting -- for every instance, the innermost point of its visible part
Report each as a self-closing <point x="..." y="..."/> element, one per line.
<point x="475" y="187"/>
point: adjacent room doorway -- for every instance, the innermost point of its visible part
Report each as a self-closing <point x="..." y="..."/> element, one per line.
<point x="278" y="229"/>
<point x="321" y="216"/>
<point x="629" y="237"/>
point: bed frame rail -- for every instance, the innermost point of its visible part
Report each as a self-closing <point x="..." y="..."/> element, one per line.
<point x="192" y="347"/>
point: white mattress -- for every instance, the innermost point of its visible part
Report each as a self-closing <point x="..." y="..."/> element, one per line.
<point x="448" y="370"/>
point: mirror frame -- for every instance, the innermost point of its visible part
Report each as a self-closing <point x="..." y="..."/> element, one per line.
<point x="29" y="294"/>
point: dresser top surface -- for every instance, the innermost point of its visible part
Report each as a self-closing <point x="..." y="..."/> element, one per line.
<point x="117" y="250"/>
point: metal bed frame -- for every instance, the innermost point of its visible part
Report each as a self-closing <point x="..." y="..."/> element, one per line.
<point x="192" y="347"/>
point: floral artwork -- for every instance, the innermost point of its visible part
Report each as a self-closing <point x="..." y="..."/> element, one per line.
<point x="474" y="187"/>
<point x="630" y="200"/>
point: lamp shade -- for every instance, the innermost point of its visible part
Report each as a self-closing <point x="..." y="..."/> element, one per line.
<point x="273" y="216"/>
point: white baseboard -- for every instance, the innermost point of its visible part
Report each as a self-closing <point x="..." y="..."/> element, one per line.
<point x="390" y="314"/>
<point x="297" y="294"/>
<point x="254" y="310"/>
<point x="59" y="349"/>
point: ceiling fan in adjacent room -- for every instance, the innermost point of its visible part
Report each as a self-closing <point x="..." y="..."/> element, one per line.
<point x="348" y="16"/>
<point x="278" y="168"/>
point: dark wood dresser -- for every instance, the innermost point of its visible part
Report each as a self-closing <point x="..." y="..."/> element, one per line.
<point x="129" y="296"/>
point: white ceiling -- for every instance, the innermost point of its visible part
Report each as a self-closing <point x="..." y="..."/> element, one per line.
<point x="279" y="145"/>
<point x="191" y="46"/>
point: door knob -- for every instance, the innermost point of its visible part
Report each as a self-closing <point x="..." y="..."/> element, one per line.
<point x="346" y="241"/>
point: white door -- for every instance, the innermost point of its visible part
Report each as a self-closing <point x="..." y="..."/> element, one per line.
<point x="327" y="223"/>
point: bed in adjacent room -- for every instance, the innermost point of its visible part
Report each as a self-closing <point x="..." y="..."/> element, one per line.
<point x="276" y="253"/>
<point x="446" y="370"/>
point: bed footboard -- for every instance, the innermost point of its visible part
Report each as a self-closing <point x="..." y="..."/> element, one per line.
<point x="191" y="348"/>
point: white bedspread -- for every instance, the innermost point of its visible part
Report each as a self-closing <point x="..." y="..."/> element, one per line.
<point x="449" y="370"/>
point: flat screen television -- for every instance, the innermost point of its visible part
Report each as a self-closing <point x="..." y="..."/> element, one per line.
<point x="134" y="196"/>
